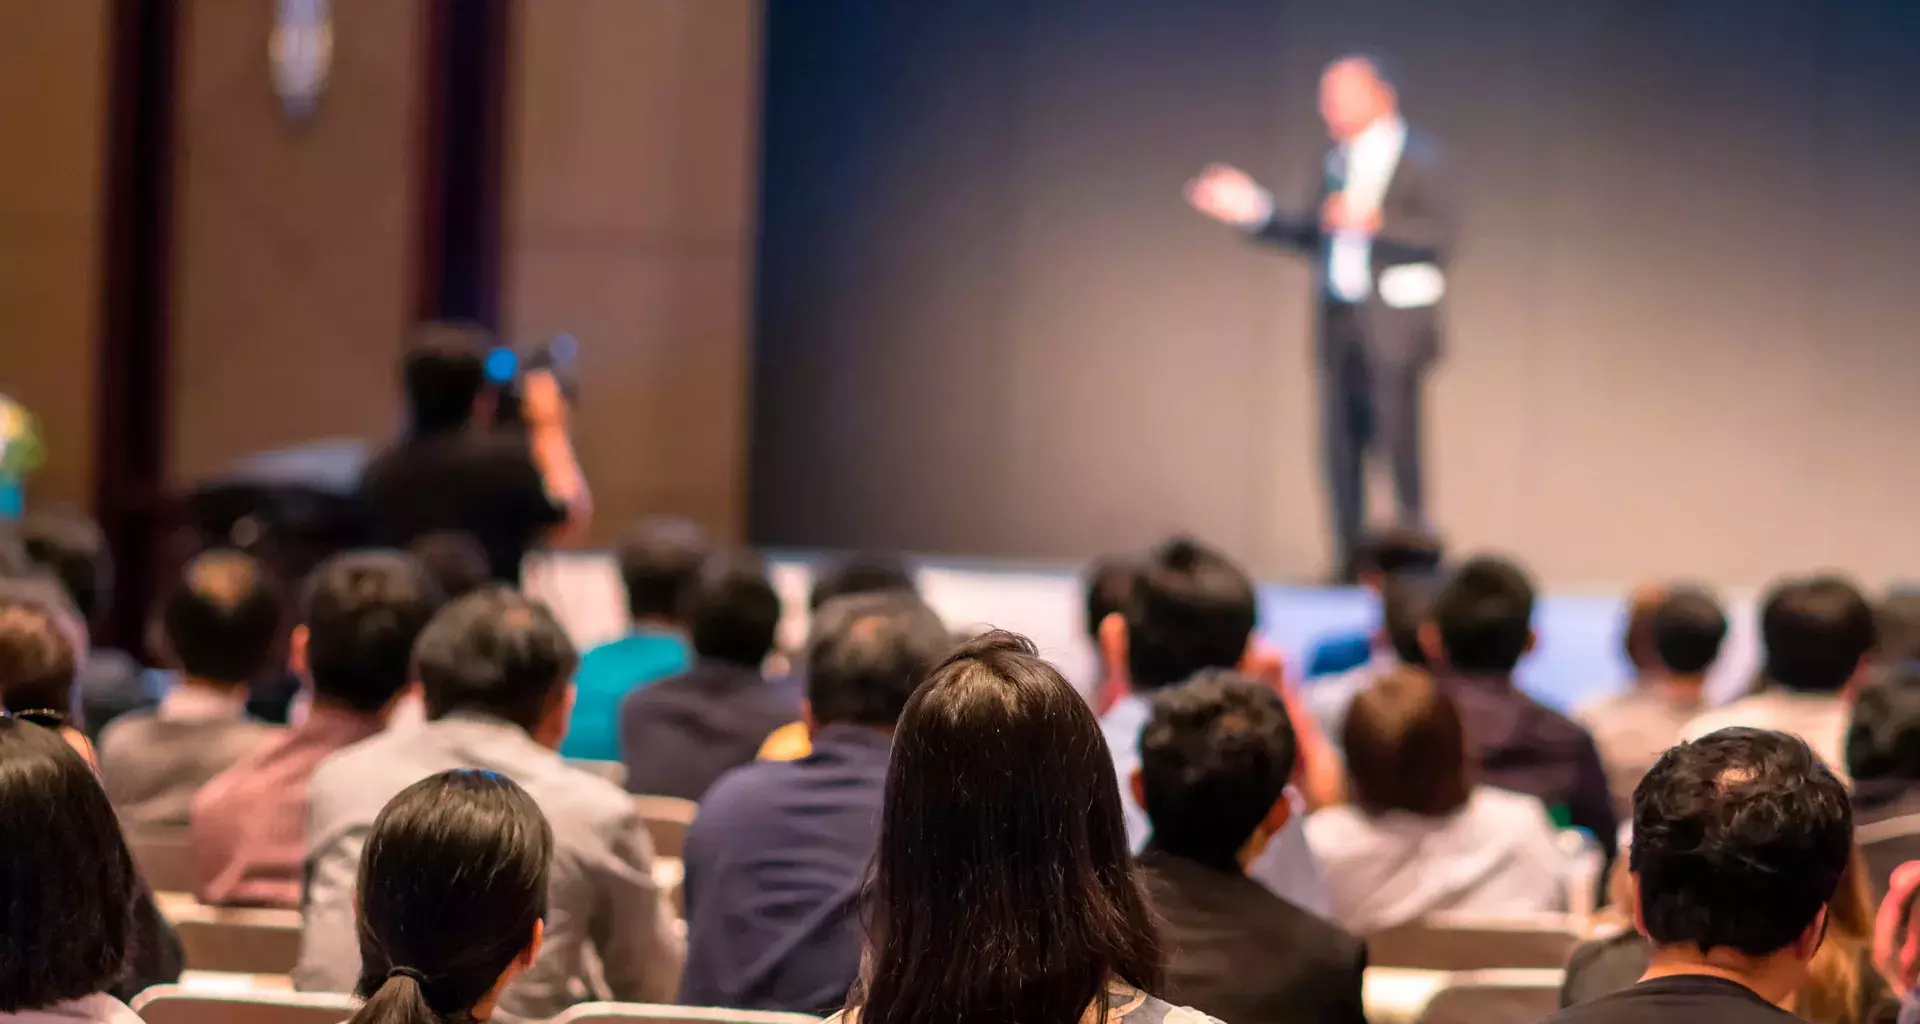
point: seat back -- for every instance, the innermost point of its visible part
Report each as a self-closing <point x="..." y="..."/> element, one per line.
<point x="1504" y="996"/>
<point x="653" y="1013"/>
<point x="240" y="940"/>
<point x="172" y="1004"/>
<point x="164" y="857"/>
<point x="1457" y="942"/>
<point x="667" y="818"/>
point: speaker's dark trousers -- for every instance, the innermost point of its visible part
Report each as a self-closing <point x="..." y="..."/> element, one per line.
<point x="1367" y="403"/>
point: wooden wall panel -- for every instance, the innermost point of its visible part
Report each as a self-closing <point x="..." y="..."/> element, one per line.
<point x="295" y="242"/>
<point x="53" y="117"/>
<point x="630" y="190"/>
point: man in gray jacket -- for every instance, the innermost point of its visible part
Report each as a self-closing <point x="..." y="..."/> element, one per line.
<point x="496" y="671"/>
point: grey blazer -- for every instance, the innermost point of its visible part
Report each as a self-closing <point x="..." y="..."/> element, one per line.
<point x="603" y="905"/>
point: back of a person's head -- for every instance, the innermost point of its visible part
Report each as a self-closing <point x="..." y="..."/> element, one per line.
<point x="37" y="657"/>
<point x="1406" y="747"/>
<point x="494" y="652"/>
<point x="1003" y="887"/>
<point x="1687" y="628"/>
<point x="1406" y="604"/>
<point x="1883" y="738"/>
<point x="1817" y="632"/>
<point x="1400" y="551"/>
<point x="221" y="622"/>
<point x="1739" y="841"/>
<point x="1636" y="639"/>
<point x="1896" y="622"/>
<point x="70" y="547"/>
<point x="362" y="612"/>
<point x="1109" y="590"/>
<point x="1215" y="758"/>
<point x="453" y="560"/>
<point x="444" y="372"/>
<point x="660" y="561"/>
<point x="453" y="888"/>
<point x="67" y="905"/>
<point x="863" y="572"/>
<point x="1484" y="616"/>
<point x="732" y="611"/>
<point x="865" y="655"/>
<point x="1193" y="609"/>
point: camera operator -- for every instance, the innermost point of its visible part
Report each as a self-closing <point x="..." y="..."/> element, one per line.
<point x="511" y="489"/>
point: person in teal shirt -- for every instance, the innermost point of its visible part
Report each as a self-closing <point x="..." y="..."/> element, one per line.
<point x="659" y="562"/>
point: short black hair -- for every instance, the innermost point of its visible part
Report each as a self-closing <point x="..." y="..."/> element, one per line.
<point x="863" y="572"/>
<point x="454" y="560"/>
<point x="1739" y="841"/>
<point x="1883" y="737"/>
<point x="1192" y="609"/>
<point x="71" y="548"/>
<point x="444" y="372"/>
<point x="224" y="617"/>
<point x="496" y="652"/>
<point x="1109" y="585"/>
<point x="1385" y="68"/>
<point x="1688" y="628"/>
<point x="732" y="611"/>
<point x="1816" y="631"/>
<point x="37" y="659"/>
<point x="1400" y="550"/>
<point x="68" y="909"/>
<point x="659" y="563"/>
<point x="1896" y="622"/>
<point x="1215" y="757"/>
<point x="1406" y="603"/>
<point x="866" y="654"/>
<point x="363" y="611"/>
<point x="1485" y="616"/>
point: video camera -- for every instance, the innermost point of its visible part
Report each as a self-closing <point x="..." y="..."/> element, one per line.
<point x="506" y="367"/>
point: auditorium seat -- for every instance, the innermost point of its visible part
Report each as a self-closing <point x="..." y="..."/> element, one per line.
<point x="1464" y="942"/>
<point x="1395" y="995"/>
<point x="164" y="857"/>
<point x="612" y="771"/>
<point x="651" y="1013"/>
<point x="667" y="819"/>
<point x="243" y="940"/>
<point x="176" y="1004"/>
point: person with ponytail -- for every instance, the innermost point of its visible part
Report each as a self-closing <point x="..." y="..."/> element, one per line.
<point x="453" y="892"/>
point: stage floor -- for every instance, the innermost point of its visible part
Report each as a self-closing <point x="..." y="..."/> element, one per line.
<point x="1578" y="657"/>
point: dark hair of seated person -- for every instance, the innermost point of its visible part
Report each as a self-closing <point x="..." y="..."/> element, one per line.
<point x="363" y="611"/>
<point x="1883" y="736"/>
<point x="452" y="894"/>
<point x="67" y="910"/>
<point x="1109" y="589"/>
<point x="1192" y="609"/>
<point x="1003" y="887"/>
<point x="497" y="653"/>
<point x="1406" y="747"/>
<point x="1484" y="617"/>
<point x="732" y="612"/>
<point x="223" y="619"/>
<point x="454" y="560"/>
<point x="71" y="548"/>
<point x="1406" y="602"/>
<point x="1816" y="632"/>
<point x="1215" y="758"/>
<point x="863" y="572"/>
<point x="865" y="655"/>
<point x="1688" y="628"/>
<point x="660" y="562"/>
<point x="37" y="659"/>
<point x="1739" y="841"/>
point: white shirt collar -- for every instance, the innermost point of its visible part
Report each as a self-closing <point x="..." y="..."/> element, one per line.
<point x="1388" y="133"/>
<point x="188" y="703"/>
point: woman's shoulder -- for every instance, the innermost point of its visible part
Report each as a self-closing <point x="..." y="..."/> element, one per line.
<point x="94" y="1009"/>
<point x="1129" y="1004"/>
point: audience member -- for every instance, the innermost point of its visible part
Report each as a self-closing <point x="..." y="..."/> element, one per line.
<point x="1883" y="757"/>
<point x="1819" y="637"/>
<point x="776" y="860"/>
<point x="218" y="629"/>
<point x="1406" y="602"/>
<point x="683" y="732"/>
<point x="1002" y="888"/>
<point x="1109" y="588"/>
<point x="71" y="549"/>
<point x="439" y="945"/>
<point x="1739" y="842"/>
<point x="39" y="633"/>
<point x="1636" y="637"/>
<point x="1193" y="610"/>
<point x="1400" y="552"/>
<point x="453" y="560"/>
<point x="1420" y="837"/>
<point x="865" y="572"/>
<point x="1683" y="628"/>
<point x="1214" y="764"/>
<point x="1896" y="940"/>
<point x="360" y="616"/>
<point x="68" y="907"/>
<point x="454" y="471"/>
<point x="1897" y="627"/>
<point x="494" y="667"/>
<point x="1482" y="626"/>
<point x="660" y="564"/>
<point x="1843" y="986"/>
